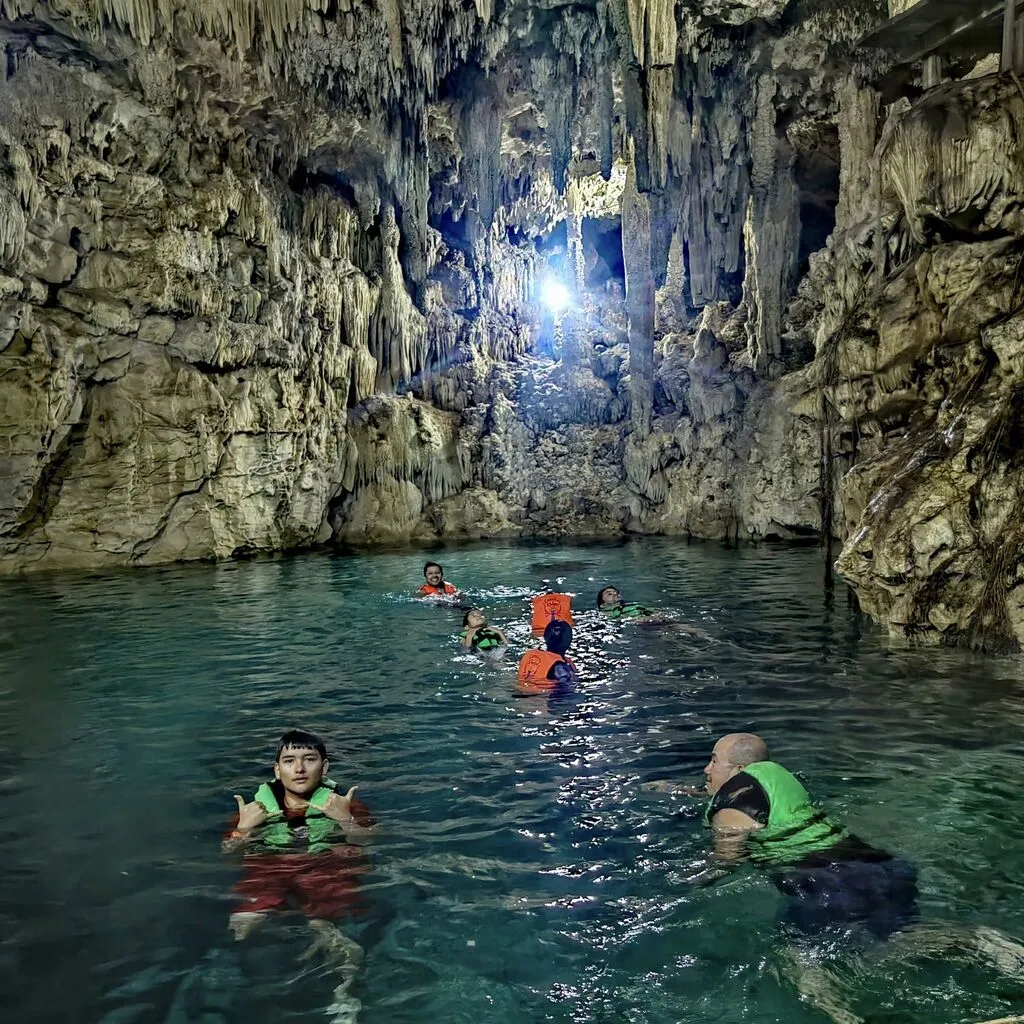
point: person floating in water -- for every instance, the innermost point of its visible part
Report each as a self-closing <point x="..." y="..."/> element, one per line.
<point x="551" y="669"/>
<point x="761" y="811"/>
<point x="610" y="603"/>
<point x="479" y="634"/>
<point x="296" y="837"/>
<point x="436" y="585"/>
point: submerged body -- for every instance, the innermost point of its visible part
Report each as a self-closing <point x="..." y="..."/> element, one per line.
<point x="300" y="859"/>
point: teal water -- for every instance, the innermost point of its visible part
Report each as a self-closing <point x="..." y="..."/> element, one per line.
<point x="520" y="873"/>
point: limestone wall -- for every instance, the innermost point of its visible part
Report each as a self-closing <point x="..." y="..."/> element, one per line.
<point x="269" y="278"/>
<point x="180" y="337"/>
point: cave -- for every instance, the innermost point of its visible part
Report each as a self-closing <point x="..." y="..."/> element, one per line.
<point x="433" y="433"/>
<point x="299" y="253"/>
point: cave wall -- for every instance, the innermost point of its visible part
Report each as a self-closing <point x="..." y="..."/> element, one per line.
<point x="926" y="343"/>
<point x="250" y="305"/>
<point x="180" y="336"/>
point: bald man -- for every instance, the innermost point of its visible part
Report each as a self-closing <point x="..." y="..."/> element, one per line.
<point x="760" y="810"/>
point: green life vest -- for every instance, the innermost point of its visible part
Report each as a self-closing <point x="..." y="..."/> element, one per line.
<point x="795" y="826"/>
<point x="630" y="610"/>
<point x="484" y="638"/>
<point x="318" y="826"/>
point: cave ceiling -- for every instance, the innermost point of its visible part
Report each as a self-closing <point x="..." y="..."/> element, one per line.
<point x="447" y="108"/>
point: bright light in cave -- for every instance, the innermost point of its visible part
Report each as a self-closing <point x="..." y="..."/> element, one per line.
<point x="554" y="295"/>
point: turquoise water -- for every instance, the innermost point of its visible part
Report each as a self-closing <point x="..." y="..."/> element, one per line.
<point x="520" y="873"/>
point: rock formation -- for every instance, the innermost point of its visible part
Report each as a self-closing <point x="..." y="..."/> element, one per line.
<point x="270" y="275"/>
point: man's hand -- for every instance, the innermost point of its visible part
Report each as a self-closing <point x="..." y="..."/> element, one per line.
<point x="339" y="807"/>
<point x="250" y="815"/>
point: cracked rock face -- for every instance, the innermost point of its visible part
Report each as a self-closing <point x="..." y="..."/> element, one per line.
<point x="270" y="277"/>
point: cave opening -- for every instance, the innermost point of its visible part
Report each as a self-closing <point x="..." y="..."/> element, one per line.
<point x="602" y="253"/>
<point x="816" y="172"/>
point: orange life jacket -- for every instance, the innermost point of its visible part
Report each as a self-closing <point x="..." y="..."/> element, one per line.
<point x="547" y="607"/>
<point x="428" y="591"/>
<point x="534" y="667"/>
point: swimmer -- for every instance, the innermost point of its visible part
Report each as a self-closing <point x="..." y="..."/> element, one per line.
<point x="478" y="634"/>
<point x="296" y="836"/>
<point x="610" y="602"/>
<point x="545" y="670"/>
<point x="436" y="585"/>
<point x="759" y="811"/>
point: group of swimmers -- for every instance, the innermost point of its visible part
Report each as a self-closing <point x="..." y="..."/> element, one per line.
<point x="552" y="618"/>
<point x="302" y="832"/>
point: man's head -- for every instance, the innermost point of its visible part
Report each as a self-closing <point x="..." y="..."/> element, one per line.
<point x="608" y="596"/>
<point x="730" y="756"/>
<point x="301" y="762"/>
<point x="558" y="636"/>
<point x="433" y="574"/>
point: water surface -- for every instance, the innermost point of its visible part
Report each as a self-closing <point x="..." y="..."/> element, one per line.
<point x="520" y="874"/>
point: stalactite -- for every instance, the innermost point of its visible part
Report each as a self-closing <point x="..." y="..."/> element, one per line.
<point x="771" y="233"/>
<point x="858" y="127"/>
<point x="12" y="228"/>
<point x="557" y="86"/>
<point x="636" y="254"/>
<point x="479" y="128"/>
<point x="398" y="334"/>
<point x="604" y="106"/>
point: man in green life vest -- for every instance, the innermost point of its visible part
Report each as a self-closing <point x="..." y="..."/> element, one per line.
<point x="610" y="603"/>
<point x="760" y="811"/>
<point x="297" y="836"/>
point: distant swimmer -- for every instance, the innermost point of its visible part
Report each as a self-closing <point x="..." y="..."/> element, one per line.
<point x="436" y="585"/>
<point x="543" y="671"/>
<point x="296" y="836"/>
<point x="478" y="634"/>
<point x="610" y="603"/>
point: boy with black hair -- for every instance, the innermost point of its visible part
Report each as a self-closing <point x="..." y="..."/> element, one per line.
<point x="294" y="836"/>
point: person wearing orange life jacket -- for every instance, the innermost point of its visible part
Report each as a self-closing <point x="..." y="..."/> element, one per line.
<point x="549" y="607"/>
<point x="436" y="585"/>
<point x="545" y="671"/>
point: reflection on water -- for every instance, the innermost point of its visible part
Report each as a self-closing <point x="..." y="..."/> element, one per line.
<point x="521" y="874"/>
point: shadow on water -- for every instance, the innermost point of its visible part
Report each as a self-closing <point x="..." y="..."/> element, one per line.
<point x="520" y="874"/>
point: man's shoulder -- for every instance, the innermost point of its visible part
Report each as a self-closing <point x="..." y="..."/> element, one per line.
<point x="742" y="793"/>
